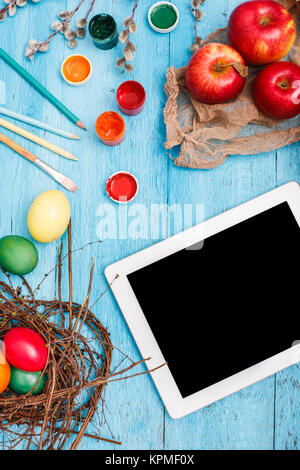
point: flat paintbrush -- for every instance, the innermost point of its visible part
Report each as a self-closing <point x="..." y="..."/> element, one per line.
<point x="59" y="177"/>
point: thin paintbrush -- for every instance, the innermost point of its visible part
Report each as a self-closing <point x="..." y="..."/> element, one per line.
<point x="38" y="140"/>
<point x="40" y="88"/>
<point x="59" y="177"/>
<point x="36" y="123"/>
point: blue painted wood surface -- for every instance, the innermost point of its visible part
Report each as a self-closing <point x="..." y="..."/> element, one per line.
<point x="263" y="416"/>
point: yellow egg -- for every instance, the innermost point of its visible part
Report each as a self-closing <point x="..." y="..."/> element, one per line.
<point x="48" y="216"/>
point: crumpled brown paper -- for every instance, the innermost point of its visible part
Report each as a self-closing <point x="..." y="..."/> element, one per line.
<point x="209" y="134"/>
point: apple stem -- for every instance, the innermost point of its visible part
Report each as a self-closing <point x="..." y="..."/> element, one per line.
<point x="240" y="68"/>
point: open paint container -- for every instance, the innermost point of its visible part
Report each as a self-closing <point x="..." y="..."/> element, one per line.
<point x="122" y="187"/>
<point x="131" y="97"/>
<point x="103" y="31"/>
<point x="163" y="17"/>
<point x="76" y="70"/>
<point x="110" y="127"/>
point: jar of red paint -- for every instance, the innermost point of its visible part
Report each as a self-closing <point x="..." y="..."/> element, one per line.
<point x="131" y="97"/>
<point x="122" y="187"/>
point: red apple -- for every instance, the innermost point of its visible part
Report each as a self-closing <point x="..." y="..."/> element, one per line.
<point x="262" y="31"/>
<point x="277" y="90"/>
<point x="210" y="76"/>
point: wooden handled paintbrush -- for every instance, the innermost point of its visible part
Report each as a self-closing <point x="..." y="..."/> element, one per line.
<point x="59" y="177"/>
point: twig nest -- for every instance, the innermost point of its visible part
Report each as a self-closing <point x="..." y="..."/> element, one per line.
<point x="57" y="405"/>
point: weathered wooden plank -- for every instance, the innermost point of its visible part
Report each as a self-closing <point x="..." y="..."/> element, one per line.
<point x="243" y="420"/>
<point x="287" y="419"/>
<point x="135" y="412"/>
<point x="23" y="182"/>
<point x="287" y="415"/>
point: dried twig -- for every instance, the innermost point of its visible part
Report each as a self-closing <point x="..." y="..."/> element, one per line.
<point x="3" y="13"/>
<point x="198" y="15"/>
<point x="70" y="274"/>
<point x="63" y="27"/>
<point x="12" y="7"/>
<point x="124" y="37"/>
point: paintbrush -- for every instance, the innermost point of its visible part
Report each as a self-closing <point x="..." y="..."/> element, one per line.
<point x="59" y="177"/>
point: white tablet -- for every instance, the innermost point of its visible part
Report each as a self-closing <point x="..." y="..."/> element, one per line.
<point x="223" y="315"/>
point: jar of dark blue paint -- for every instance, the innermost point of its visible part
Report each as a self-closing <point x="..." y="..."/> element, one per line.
<point x="103" y="30"/>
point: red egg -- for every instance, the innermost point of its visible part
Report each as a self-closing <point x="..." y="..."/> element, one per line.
<point x="25" y="349"/>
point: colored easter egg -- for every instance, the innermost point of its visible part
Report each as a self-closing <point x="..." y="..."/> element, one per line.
<point x="48" y="216"/>
<point x="25" y="349"/>
<point x="4" y="372"/>
<point x="18" y="255"/>
<point x="22" y="382"/>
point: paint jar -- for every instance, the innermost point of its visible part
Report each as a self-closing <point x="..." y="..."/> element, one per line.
<point x="122" y="187"/>
<point x="76" y="70"/>
<point x="163" y="17"/>
<point x="131" y="97"/>
<point x="110" y="127"/>
<point x="103" y="30"/>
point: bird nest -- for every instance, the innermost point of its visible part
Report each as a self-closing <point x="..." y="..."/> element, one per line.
<point x="78" y="367"/>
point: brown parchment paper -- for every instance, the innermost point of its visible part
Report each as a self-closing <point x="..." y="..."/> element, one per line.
<point x="209" y="134"/>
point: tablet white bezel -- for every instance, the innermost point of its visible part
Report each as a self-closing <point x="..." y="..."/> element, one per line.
<point x="177" y="406"/>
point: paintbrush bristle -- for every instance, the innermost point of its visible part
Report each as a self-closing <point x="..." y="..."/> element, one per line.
<point x="69" y="184"/>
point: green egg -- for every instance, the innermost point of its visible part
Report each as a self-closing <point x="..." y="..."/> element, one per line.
<point x="22" y="382"/>
<point x="18" y="255"/>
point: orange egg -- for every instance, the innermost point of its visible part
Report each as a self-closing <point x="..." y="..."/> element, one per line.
<point x="4" y="372"/>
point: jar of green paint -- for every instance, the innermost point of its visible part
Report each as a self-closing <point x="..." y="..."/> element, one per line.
<point x="103" y="30"/>
<point x="163" y="17"/>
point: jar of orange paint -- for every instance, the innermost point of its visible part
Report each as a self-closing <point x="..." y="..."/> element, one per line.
<point x="76" y="70"/>
<point x="110" y="127"/>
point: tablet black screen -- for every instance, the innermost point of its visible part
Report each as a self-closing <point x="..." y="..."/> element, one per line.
<point x="227" y="306"/>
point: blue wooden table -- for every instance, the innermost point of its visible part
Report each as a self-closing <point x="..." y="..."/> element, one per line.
<point x="263" y="416"/>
